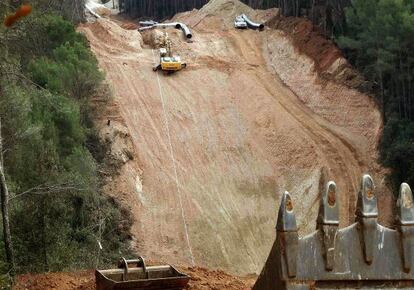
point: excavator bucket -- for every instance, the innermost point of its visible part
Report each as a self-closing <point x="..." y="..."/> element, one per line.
<point x="364" y="255"/>
<point x="135" y="275"/>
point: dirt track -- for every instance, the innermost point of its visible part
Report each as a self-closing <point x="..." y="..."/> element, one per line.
<point x="218" y="142"/>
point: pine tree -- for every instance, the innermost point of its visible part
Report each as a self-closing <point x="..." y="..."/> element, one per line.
<point x="379" y="42"/>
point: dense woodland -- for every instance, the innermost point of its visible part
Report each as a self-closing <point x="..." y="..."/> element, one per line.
<point x="51" y="156"/>
<point x="158" y="9"/>
<point x="378" y="40"/>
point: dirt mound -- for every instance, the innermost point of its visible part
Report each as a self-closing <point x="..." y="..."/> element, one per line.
<point x="328" y="58"/>
<point x="110" y="34"/>
<point x="200" y="279"/>
<point x="220" y="15"/>
<point x="153" y="37"/>
<point x="227" y="9"/>
<point x="203" y="279"/>
<point x="63" y="281"/>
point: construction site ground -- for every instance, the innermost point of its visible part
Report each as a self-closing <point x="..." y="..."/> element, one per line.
<point x="207" y="151"/>
<point x="214" y="145"/>
<point x="201" y="279"/>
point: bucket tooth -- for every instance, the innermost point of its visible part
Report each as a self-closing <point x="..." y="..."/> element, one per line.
<point x="286" y="221"/>
<point x="367" y="217"/>
<point x="405" y="206"/>
<point x="405" y="221"/>
<point x="287" y="233"/>
<point x="328" y="223"/>
<point x="367" y="200"/>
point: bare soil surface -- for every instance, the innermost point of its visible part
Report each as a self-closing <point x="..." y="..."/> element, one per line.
<point x="214" y="145"/>
<point x="56" y="281"/>
<point x="200" y="279"/>
<point x="327" y="57"/>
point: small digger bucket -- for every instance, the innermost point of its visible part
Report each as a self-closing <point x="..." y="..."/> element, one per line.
<point x="134" y="274"/>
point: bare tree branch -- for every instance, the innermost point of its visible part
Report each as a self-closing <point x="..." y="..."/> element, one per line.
<point x="45" y="189"/>
<point x="4" y="194"/>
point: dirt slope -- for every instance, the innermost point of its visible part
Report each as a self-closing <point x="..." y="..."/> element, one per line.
<point x="218" y="142"/>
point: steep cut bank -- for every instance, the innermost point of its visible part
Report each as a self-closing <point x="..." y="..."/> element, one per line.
<point x="328" y="59"/>
<point x="219" y="141"/>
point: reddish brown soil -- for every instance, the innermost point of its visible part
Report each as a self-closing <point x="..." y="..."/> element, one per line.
<point x="309" y="40"/>
<point x="329" y="61"/>
<point x="63" y="281"/>
<point x="201" y="279"/>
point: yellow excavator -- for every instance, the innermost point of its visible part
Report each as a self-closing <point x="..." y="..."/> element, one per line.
<point x="168" y="62"/>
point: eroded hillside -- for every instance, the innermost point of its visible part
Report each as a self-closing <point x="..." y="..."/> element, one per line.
<point x="216" y="144"/>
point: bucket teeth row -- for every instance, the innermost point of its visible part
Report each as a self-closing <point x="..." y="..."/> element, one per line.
<point x="364" y="252"/>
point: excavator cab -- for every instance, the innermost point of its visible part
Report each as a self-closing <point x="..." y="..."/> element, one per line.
<point x="172" y="64"/>
<point x="168" y="62"/>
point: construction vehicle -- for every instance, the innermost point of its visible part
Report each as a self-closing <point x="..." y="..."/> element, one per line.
<point x="240" y="23"/>
<point x="168" y="62"/>
<point x="136" y="275"/>
<point x="243" y="22"/>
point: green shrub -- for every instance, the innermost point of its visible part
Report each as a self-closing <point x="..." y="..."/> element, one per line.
<point x="378" y="41"/>
<point x="59" y="216"/>
<point x="397" y="149"/>
<point x="72" y="70"/>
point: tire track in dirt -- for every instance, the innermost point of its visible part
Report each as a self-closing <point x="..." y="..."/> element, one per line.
<point x="229" y="148"/>
<point x="342" y="160"/>
<point x="187" y="238"/>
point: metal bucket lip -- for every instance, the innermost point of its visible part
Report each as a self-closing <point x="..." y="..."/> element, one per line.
<point x="179" y="276"/>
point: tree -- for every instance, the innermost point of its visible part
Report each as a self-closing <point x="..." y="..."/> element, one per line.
<point x="4" y="195"/>
<point x="59" y="217"/>
<point x="378" y="41"/>
<point x="4" y="190"/>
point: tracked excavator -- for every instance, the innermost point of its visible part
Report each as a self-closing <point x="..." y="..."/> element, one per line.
<point x="169" y="62"/>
